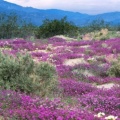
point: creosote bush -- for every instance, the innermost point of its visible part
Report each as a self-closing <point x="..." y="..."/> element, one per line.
<point x="20" y="73"/>
<point x="14" y="73"/>
<point x="46" y="76"/>
<point x="115" y="69"/>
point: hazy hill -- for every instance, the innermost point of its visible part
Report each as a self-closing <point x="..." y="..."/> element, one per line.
<point x="36" y="16"/>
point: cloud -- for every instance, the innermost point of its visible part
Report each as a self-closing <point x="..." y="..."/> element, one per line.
<point x="83" y="6"/>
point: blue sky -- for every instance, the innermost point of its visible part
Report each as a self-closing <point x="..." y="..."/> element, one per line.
<point x="82" y="6"/>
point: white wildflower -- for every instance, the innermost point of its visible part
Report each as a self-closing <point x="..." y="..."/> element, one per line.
<point x="111" y="117"/>
<point x="100" y="114"/>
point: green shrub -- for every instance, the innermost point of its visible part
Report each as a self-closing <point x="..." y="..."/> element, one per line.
<point x="115" y="69"/>
<point x="20" y="73"/>
<point x="104" y="37"/>
<point x="54" y="27"/>
<point x="45" y="71"/>
<point x="46" y="74"/>
<point x="14" y="72"/>
<point x="12" y="26"/>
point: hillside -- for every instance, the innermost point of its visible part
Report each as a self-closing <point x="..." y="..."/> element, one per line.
<point x="60" y="79"/>
<point x="36" y="16"/>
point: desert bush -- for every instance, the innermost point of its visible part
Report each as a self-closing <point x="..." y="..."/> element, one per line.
<point x="20" y="73"/>
<point x="46" y="78"/>
<point x="115" y="69"/>
<point x="114" y="34"/>
<point x="14" y="73"/>
<point x="104" y="37"/>
<point x="45" y="71"/>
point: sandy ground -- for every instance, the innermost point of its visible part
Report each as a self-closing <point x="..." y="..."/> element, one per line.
<point x="64" y="37"/>
<point x="107" y="85"/>
<point x="76" y="61"/>
<point x="72" y="62"/>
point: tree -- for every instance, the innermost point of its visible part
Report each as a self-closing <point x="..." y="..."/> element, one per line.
<point x="11" y="26"/>
<point x="50" y="28"/>
<point x="98" y="25"/>
<point x="8" y="25"/>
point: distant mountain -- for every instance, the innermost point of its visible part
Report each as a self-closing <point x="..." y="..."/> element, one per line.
<point x="112" y="17"/>
<point x="36" y="16"/>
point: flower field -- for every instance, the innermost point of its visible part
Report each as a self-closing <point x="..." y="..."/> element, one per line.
<point x="87" y="75"/>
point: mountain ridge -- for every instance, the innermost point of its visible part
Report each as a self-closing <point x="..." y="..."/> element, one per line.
<point x="36" y="16"/>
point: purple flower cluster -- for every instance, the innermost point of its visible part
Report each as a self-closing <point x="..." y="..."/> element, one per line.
<point x="64" y="71"/>
<point x="112" y="46"/>
<point x="20" y="106"/>
<point x="40" y="55"/>
<point x="72" y="80"/>
<point x="107" y="101"/>
<point x="75" y="88"/>
<point x="100" y="80"/>
<point x="79" y="43"/>
<point x="56" y="41"/>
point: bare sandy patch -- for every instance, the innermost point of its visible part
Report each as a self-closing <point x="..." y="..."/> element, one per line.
<point x="38" y="51"/>
<point x="88" y="73"/>
<point x="85" y="46"/>
<point x="107" y="85"/>
<point x="64" y="37"/>
<point x="72" y="62"/>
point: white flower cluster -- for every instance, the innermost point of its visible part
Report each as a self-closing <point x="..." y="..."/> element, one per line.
<point x="100" y="114"/>
<point x="110" y="117"/>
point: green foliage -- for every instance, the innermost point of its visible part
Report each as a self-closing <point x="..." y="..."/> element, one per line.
<point x="11" y="26"/>
<point x="117" y="28"/>
<point x="15" y="72"/>
<point x="98" y="25"/>
<point x="114" y="34"/>
<point x="95" y="25"/>
<point x="45" y="71"/>
<point x="46" y="74"/>
<point x="27" y="31"/>
<point x="104" y="37"/>
<point x="8" y="25"/>
<point x="50" y="28"/>
<point x="21" y="73"/>
<point x="115" y="69"/>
